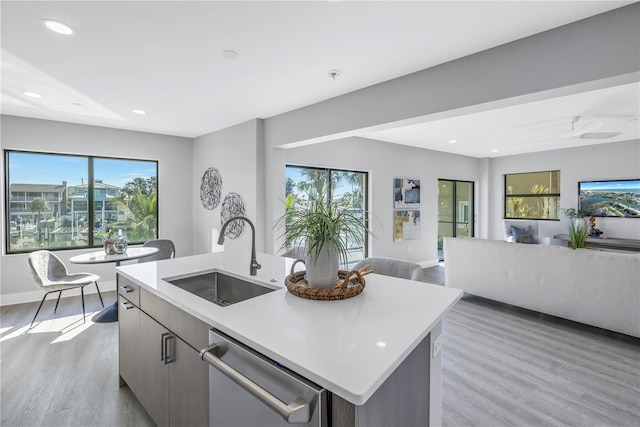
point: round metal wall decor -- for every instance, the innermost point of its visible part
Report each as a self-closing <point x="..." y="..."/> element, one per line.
<point x="232" y="205"/>
<point x="211" y="188"/>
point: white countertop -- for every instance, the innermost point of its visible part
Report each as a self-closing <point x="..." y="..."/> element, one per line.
<point x="335" y="344"/>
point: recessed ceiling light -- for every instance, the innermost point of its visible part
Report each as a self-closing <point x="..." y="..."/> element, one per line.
<point x="495" y="150"/>
<point x="141" y="112"/>
<point x="32" y="94"/>
<point x="452" y="141"/>
<point x="230" y="54"/>
<point x="58" y="27"/>
<point x="381" y="344"/>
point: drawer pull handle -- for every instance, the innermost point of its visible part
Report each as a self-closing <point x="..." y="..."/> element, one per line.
<point x="126" y="305"/>
<point x="126" y="289"/>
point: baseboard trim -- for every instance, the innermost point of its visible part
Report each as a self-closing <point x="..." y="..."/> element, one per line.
<point x="429" y="263"/>
<point x="36" y="295"/>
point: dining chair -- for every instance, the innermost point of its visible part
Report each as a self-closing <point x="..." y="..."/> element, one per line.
<point x="296" y="252"/>
<point x="166" y="248"/>
<point x="51" y="275"/>
<point x="393" y="267"/>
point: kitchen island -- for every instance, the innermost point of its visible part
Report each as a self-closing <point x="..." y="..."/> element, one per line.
<point x="354" y="348"/>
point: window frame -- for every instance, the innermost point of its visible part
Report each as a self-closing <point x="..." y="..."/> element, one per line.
<point x="365" y="191"/>
<point x="90" y="192"/>
<point x="506" y="196"/>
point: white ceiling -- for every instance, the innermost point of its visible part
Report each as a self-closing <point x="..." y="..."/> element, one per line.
<point x="166" y="58"/>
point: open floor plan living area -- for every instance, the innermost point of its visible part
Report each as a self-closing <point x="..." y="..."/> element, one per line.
<point x="320" y="213"/>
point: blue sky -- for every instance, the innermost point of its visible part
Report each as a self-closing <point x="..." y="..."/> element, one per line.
<point x="611" y="185"/>
<point x="32" y="168"/>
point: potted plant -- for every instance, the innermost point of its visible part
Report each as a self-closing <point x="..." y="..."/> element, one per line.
<point x="576" y="216"/>
<point x="577" y="235"/>
<point x="325" y="229"/>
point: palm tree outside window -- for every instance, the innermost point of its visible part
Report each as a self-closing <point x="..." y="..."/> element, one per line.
<point x="305" y="184"/>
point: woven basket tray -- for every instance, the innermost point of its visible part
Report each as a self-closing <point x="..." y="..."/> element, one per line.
<point x="298" y="286"/>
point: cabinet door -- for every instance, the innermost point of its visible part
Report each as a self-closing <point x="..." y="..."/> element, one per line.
<point x="154" y="373"/>
<point x="128" y="344"/>
<point x="189" y="387"/>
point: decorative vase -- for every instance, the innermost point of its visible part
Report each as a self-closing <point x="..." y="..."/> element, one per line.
<point x="121" y="246"/>
<point x="110" y="246"/>
<point x="322" y="271"/>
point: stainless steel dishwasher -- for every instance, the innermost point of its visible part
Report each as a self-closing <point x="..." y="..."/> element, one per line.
<point x="248" y="389"/>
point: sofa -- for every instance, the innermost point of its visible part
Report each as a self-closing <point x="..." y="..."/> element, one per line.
<point x="594" y="287"/>
<point x="523" y="231"/>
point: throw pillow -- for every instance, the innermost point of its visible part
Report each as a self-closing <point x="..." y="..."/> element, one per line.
<point x="523" y="235"/>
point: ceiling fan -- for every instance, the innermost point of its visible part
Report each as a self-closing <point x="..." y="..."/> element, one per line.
<point x="579" y="128"/>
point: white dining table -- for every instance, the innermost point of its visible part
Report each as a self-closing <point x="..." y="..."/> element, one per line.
<point x="110" y="314"/>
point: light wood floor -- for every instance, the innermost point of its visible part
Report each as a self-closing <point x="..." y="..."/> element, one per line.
<point x="63" y="372"/>
<point x="501" y="367"/>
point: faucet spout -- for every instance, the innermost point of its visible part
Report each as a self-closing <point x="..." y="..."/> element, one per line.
<point x="254" y="266"/>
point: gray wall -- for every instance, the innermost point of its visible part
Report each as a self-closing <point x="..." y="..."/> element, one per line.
<point x="174" y="155"/>
<point x="619" y="160"/>
<point x="234" y="153"/>
<point x="384" y="162"/>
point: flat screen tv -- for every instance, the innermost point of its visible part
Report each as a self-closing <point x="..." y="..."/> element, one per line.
<point x="616" y="198"/>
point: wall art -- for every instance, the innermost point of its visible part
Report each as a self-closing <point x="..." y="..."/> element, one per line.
<point x="232" y="205"/>
<point x="406" y="193"/>
<point x="211" y="188"/>
<point x="406" y="225"/>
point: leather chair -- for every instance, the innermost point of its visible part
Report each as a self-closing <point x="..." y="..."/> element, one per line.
<point x="51" y="275"/>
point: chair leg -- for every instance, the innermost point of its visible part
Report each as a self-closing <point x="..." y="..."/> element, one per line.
<point x="59" y="293"/>
<point x="38" y="310"/>
<point x="100" y="295"/>
<point x="82" y="295"/>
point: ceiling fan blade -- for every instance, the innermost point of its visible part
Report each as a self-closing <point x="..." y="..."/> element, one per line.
<point x="585" y="127"/>
<point x="599" y="135"/>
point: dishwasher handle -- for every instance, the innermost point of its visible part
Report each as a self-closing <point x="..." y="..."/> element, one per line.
<point x="296" y="412"/>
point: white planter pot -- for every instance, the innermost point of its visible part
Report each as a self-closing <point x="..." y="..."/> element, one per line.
<point x="322" y="272"/>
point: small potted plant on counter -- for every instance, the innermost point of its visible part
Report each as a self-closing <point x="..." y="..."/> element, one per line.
<point x="326" y="229"/>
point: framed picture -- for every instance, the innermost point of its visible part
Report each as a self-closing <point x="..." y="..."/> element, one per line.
<point x="406" y="193"/>
<point x="406" y="225"/>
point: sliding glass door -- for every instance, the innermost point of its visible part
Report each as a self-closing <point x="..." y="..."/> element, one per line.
<point x="455" y="210"/>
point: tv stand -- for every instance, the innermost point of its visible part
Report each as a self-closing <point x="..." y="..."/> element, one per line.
<point x="614" y="243"/>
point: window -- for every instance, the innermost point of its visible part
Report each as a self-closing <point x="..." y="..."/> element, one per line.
<point x="350" y="187"/>
<point x="48" y="196"/>
<point x="533" y="195"/>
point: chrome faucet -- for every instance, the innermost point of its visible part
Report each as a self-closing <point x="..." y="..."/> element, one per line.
<point x="253" y="269"/>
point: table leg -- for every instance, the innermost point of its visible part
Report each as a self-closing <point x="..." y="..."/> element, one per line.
<point x="109" y="314"/>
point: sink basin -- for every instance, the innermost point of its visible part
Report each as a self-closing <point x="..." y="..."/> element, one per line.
<point x="220" y="288"/>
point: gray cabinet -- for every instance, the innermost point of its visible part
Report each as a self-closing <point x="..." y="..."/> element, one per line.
<point x="164" y="371"/>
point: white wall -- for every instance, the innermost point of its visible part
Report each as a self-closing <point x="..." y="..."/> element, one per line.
<point x="619" y="160"/>
<point x="552" y="63"/>
<point x="383" y="161"/>
<point x="174" y="155"/>
<point x="234" y="153"/>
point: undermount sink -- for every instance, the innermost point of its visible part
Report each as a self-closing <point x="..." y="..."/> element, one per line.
<point x="219" y="288"/>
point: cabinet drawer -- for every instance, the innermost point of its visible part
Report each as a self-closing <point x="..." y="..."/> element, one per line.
<point x="190" y="329"/>
<point x="128" y="290"/>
